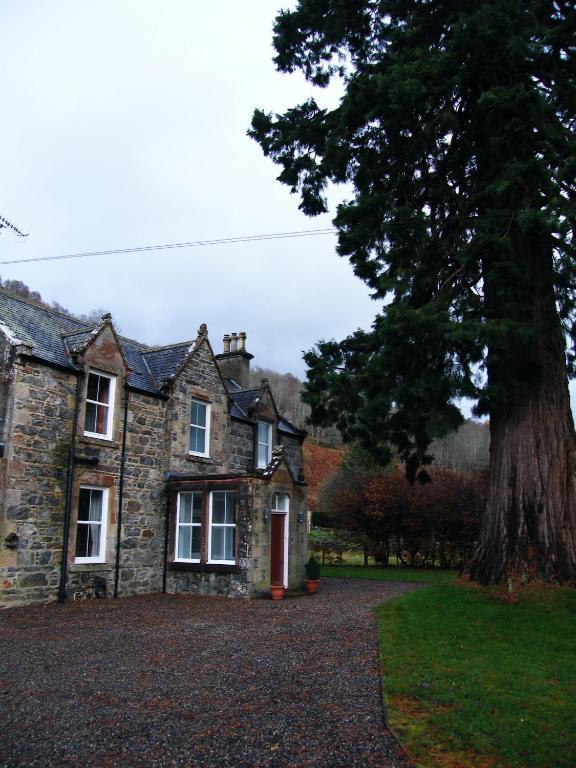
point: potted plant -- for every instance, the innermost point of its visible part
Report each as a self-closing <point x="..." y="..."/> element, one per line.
<point x="277" y="591"/>
<point x="312" y="575"/>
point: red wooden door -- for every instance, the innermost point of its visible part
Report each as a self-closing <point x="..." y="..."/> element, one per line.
<point x="277" y="550"/>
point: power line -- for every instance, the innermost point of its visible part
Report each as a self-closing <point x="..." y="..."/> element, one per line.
<point x="169" y="246"/>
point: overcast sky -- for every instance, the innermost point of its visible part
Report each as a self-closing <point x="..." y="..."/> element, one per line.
<point x="124" y="124"/>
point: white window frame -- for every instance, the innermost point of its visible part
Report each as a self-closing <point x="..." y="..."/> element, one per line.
<point x="188" y="525"/>
<point x="268" y="444"/>
<point x="206" y="429"/>
<point x="110" y="405"/>
<point x="101" y="557"/>
<point x="221" y="525"/>
<point x="275" y="510"/>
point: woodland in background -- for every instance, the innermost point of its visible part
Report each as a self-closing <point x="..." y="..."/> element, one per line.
<point x="466" y="448"/>
<point x="18" y="288"/>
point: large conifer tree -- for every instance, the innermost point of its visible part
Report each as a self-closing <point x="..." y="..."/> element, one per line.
<point x="457" y="135"/>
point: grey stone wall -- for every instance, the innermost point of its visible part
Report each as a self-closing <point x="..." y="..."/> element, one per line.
<point x="34" y="473"/>
<point x="200" y="380"/>
<point x="7" y="359"/>
<point x="143" y="514"/>
<point x="240" y="446"/>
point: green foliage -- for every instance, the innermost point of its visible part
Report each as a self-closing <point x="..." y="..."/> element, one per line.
<point x="312" y="568"/>
<point x="456" y="135"/>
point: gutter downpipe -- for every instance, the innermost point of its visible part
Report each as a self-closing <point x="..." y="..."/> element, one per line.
<point x="69" y="486"/>
<point x="121" y="492"/>
<point x="166" y="526"/>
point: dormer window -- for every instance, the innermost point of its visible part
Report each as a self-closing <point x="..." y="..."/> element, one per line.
<point x="98" y="420"/>
<point x="264" y="447"/>
<point x="200" y="429"/>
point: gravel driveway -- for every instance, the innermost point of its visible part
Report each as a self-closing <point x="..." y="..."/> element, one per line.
<point x="167" y="680"/>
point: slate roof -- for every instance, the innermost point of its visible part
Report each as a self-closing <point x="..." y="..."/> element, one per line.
<point x="245" y="400"/>
<point x="163" y="361"/>
<point x="53" y="336"/>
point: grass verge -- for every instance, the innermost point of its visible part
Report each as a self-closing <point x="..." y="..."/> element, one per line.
<point x="475" y="680"/>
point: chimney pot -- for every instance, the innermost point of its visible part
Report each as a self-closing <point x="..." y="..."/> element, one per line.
<point x="234" y="342"/>
<point x="226" y="343"/>
<point x="242" y="341"/>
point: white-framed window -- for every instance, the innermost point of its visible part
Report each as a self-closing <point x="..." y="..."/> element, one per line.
<point x="199" y="442"/>
<point x="98" y="420"/>
<point x="222" y="527"/>
<point x="280" y="502"/>
<point x="91" y="525"/>
<point x="188" y="526"/>
<point x="264" y="447"/>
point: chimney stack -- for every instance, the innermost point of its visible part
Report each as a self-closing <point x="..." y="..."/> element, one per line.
<point x="234" y="362"/>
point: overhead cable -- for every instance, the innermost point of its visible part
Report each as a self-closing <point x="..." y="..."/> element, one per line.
<point x="168" y="246"/>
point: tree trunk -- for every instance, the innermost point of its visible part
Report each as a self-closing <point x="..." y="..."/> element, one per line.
<point x="529" y="526"/>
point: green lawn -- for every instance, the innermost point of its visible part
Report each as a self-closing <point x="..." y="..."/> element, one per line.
<point x="475" y="681"/>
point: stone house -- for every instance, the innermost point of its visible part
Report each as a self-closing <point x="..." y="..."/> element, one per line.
<point x="140" y="469"/>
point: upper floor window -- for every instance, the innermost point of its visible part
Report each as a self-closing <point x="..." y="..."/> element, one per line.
<point x="200" y="429"/>
<point x="91" y="525"/>
<point x="222" y="527"/>
<point x="264" y="448"/>
<point x="188" y="526"/>
<point x="99" y="405"/>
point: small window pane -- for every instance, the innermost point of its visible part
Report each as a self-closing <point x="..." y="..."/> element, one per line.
<point x="197" y="440"/>
<point x="219" y="507"/>
<point x="82" y="540"/>
<point x="262" y="455"/>
<point x="262" y="432"/>
<point x="103" y="389"/>
<point x="184" y="541"/>
<point x="223" y="543"/>
<point x="190" y="510"/>
<point x="101" y="419"/>
<point x="189" y="542"/>
<point x="92" y="393"/>
<point x="185" y="511"/>
<point x="198" y="414"/>
<point x="90" y="505"/>
<point x="91" y="417"/>
<point x="230" y="515"/>
<point x="280" y="502"/>
<point x="96" y="505"/>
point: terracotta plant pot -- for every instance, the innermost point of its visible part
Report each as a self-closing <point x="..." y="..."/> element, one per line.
<point x="277" y="591"/>
<point x="312" y="586"/>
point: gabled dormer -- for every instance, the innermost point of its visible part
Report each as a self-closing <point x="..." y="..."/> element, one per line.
<point x="99" y="354"/>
